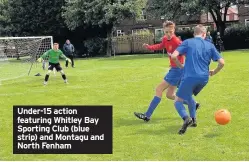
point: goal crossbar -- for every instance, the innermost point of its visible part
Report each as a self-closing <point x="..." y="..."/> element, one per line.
<point x="35" y="37"/>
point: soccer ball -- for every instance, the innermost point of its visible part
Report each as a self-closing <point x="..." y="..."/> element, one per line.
<point x="222" y="116"/>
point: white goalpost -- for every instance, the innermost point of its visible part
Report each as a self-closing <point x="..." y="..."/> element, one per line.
<point x="18" y="55"/>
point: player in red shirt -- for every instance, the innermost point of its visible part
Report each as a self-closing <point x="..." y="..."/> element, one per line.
<point x="173" y="77"/>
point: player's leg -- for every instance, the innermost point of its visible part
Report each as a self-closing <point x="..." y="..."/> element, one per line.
<point x="54" y="71"/>
<point x="50" y="69"/>
<point x="174" y="79"/>
<point x="47" y="77"/>
<point x="43" y="64"/>
<point x="192" y="111"/>
<point x="184" y="115"/>
<point x="154" y="103"/>
<point x="192" y="103"/>
<point x="170" y="93"/>
<point x="171" y="79"/>
<point x="184" y="92"/>
<point x="63" y="75"/>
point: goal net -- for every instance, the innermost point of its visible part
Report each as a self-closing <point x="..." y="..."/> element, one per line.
<point x="18" y="55"/>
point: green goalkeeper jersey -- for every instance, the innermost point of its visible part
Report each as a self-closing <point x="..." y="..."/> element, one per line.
<point x="53" y="56"/>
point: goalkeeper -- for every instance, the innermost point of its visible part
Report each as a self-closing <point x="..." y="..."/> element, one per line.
<point x="53" y="58"/>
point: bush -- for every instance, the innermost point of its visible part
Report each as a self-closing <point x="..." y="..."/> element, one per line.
<point x="95" y="46"/>
<point x="185" y="34"/>
<point x="236" y="37"/>
<point x="190" y="34"/>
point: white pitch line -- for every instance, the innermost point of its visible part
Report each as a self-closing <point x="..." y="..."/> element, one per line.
<point x="10" y="94"/>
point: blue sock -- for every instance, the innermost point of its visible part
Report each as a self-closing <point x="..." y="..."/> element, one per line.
<point x="192" y="107"/>
<point x="181" y="109"/>
<point x="156" y="100"/>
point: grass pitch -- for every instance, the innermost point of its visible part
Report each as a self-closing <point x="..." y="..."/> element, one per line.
<point x="128" y="83"/>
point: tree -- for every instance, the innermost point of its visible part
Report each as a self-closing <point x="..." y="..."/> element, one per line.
<point x="175" y="9"/>
<point x="30" y="17"/>
<point x="104" y="14"/>
<point x="4" y="18"/>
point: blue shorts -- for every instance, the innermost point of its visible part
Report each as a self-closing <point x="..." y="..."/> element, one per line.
<point x="173" y="77"/>
<point x="190" y="86"/>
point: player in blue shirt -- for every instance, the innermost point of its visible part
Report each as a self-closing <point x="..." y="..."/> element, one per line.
<point x="199" y="54"/>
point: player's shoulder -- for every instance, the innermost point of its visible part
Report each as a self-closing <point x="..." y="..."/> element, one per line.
<point x="207" y="42"/>
<point x="50" y="50"/>
<point x="186" y="41"/>
<point x="175" y="40"/>
<point x="60" y="51"/>
<point x="164" y="38"/>
<point x="191" y="39"/>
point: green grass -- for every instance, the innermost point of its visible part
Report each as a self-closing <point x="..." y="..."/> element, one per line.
<point x="128" y="83"/>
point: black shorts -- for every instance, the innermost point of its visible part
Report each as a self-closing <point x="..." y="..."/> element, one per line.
<point x="57" y="66"/>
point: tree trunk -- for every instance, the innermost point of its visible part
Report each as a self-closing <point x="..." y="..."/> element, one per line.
<point x="109" y="43"/>
<point x="222" y="28"/>
<point x="217" y="17"/>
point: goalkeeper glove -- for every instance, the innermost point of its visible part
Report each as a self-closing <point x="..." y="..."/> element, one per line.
<point x="39" y="59"/>
<point x="68" y="60"/>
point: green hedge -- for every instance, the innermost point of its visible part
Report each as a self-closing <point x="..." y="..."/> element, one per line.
<point x="185" y="34"/>
<point x="95" y="46"/>
<point x="235" y="37"/>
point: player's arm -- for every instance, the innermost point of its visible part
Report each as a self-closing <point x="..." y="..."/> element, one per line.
<point x="221" y="63"/>
<point x="181" y="49"/>
<point x="155" y="46"/>
<point x="64" y="57"/>
<point x="217" y="58"/>
<point x="43" y="56"/>
<point x="175" y="59"/>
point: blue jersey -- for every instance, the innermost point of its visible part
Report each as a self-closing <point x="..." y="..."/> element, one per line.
<point x="199" y="54"/>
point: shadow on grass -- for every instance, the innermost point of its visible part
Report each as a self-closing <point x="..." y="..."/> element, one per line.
<point x="212" y="135"/>
<point x="168" y="129"/>
<point x="134" y="121"/>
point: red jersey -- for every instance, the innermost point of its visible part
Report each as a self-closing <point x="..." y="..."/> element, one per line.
<point x="170" y="46"/>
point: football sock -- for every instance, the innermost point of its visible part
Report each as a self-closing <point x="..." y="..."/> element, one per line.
<point x="46" y="77"/>
<point x="192" y="107"/>
<point x="64" y="76"/>
<point x="181" y="109"/>
<point x="155" y="101"/>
